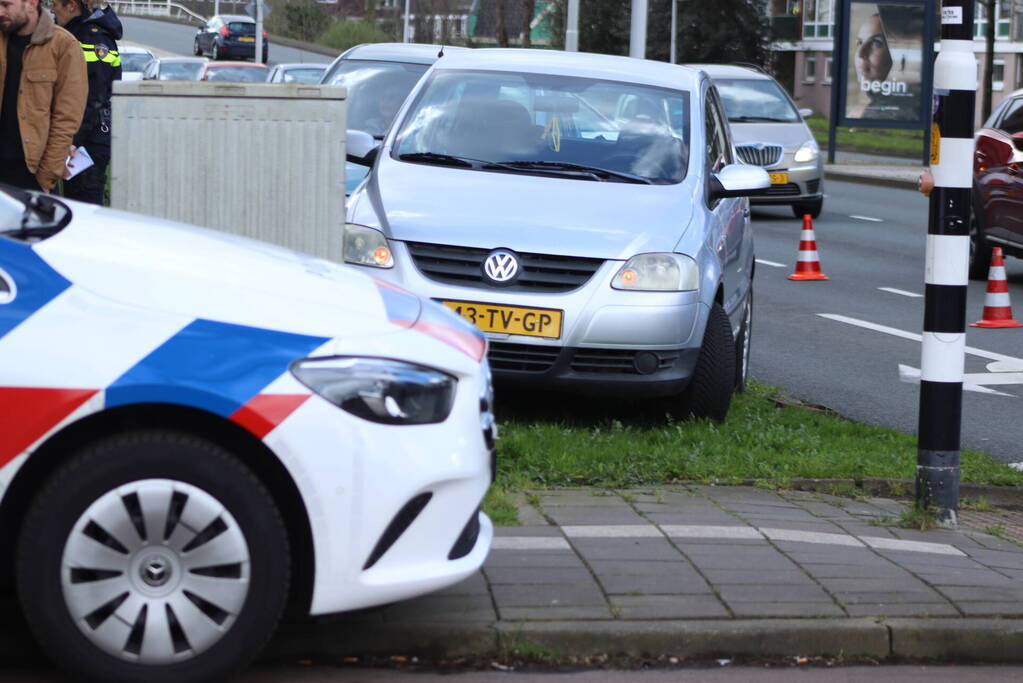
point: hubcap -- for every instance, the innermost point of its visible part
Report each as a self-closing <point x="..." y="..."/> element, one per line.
<point x="747" y="322"/>
<point x="155" y="571"/>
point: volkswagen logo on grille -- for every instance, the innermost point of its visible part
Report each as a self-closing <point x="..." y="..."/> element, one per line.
<point x="501" y="267"/>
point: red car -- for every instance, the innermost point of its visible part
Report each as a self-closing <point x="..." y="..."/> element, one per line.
<point x="998" y="186"/>
<point x="245" y="72"/>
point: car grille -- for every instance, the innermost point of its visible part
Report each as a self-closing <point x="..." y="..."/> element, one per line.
<point x="786" y="190"/>
<point x="813" y="186"/>
<point x="760" y="155"/>
<point x="522" y="357"/>
<point x="464" y="266"/>
<point x="618" y="361"/>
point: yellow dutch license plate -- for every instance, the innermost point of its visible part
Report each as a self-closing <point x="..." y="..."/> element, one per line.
<point x="532" y="322"/>
<point x="779" y="178"/>
<point x="247" y="39"/>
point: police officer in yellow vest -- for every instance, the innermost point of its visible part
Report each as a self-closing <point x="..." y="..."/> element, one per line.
<point x="98" y="31"/>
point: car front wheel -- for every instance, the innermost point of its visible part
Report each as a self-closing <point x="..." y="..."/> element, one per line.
<point x="709" y="393"/>
<point x="153" y="556"/>
<point x="196" y="50"/>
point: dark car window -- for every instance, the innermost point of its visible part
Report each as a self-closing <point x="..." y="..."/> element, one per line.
<point x="375" y="91"/>
<point x="245" y="28"/>
<point x="1012" y="120"/>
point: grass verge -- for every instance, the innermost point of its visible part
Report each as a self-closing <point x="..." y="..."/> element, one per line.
<point x="894" y="142"/>
<point x="767" y="437"/>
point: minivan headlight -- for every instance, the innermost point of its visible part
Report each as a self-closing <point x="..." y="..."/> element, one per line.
<point x="658" y="272"/>
<point x="380" y="390"/>
<point x="366" y="247"/>
<point x="808" y="151"/>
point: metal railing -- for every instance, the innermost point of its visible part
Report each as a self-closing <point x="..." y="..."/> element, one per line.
<point x="156" y="8"/>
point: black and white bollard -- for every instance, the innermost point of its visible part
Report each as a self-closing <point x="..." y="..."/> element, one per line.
<point x="946" y="275"/>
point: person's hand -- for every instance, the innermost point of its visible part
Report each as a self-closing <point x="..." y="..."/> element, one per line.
<point x="926" y="182"/>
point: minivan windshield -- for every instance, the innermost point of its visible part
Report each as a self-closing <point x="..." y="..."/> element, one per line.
<point x="760" y="100"/>
<point x="375" y="91"/>
<point x="547" y="124"/>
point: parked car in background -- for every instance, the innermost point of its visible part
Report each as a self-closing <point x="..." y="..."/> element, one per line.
<point x="236" y="429"/>
<point x="998" y="186"/>
<point x="175" y="69"/>
<point x="599" y="253"/>
<point x="229" y="36"/>
<point x="134" y="60"/>
<point x="245" y="72"/>
<point x="378" y="76"/>
<point x="770" y="132"/>
<point x="296" y="73"/>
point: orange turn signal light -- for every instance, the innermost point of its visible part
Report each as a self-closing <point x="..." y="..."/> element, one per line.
<point x="629" y="277"/>
<point x="381" y="255"/>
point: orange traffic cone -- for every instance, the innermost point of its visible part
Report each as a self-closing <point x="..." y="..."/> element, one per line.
<point x="808" y="264"/>
<point x="997" y="310"/>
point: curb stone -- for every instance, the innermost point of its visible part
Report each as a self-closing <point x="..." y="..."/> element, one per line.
<point x="852" y="177"/>
<point x="981" y="640"/>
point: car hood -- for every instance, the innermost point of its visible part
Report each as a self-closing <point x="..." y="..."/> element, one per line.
<point x="789" y="135"/>
<point x="183" y="270"/>
<point x="528" y="213"/>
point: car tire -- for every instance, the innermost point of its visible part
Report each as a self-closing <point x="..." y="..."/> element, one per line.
<point x="742" y="343"/>
<point x="214" y="52"/>
<point x="196" y="50"/>
<point x="980" y="248"/>
<point x="90" y="574"/>
<point x="812" y="207"/>
<point x="709" y="393"/>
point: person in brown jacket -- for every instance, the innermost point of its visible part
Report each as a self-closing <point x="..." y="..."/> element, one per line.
<point x="43" y="88"/>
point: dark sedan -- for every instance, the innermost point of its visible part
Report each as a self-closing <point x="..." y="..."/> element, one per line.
<point x="998" y="186"/>
<point x="228" y="36"/>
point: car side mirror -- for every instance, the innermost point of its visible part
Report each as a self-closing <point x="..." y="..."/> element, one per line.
<point x="738" y="180"/>
<point x="805" y="112"/>
<point x="360" y="147"/>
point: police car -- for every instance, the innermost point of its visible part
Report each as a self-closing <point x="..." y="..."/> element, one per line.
<point x="199" y="430"/>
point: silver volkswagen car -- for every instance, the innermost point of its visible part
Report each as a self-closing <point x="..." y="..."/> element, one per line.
<point x="586" y="211"/>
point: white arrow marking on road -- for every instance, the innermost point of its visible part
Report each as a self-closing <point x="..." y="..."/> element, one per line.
<point x="868" y="218"/>
<point x="769" y="263"/>
<point x="1005" y="369"/>
<point x="1018" y="466"/>
<point x="901" y="292"/>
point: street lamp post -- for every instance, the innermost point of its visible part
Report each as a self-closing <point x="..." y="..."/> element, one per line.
<point x="637" y="33"/>
<point x="674" y="31"/>
<point x="572" y="27"/>
<point x="406" y="34"/>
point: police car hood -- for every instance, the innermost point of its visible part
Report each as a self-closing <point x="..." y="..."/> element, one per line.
<point x="159" y="265"/>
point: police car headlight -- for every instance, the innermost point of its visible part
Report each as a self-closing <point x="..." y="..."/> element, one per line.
<point x="808" y="151"/>
<point x="366" y="247"/>
<point x="380" y="389"/>
<point x="658" y="273"/>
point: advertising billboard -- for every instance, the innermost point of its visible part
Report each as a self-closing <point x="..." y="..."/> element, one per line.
<point x="885" y="67"/>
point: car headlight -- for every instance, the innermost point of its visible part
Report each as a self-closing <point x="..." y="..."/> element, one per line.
<point x="380" y="389"/>
<point x="808" y="151"/>
<point x="658" y="272"/>
<point x="366" y="247"/>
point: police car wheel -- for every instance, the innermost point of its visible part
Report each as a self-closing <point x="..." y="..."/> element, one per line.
<point x="153" y="556"/>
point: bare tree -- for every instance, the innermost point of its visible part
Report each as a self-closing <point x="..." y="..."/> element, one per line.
<point x="502" y="26"/>
<point x="528" y="10"/>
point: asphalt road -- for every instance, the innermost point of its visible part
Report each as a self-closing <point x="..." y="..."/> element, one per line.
<point x="869" y="237"/>
<point x="170" y="38"/>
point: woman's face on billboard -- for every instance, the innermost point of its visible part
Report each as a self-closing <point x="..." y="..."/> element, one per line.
<point x="873" y="60"/>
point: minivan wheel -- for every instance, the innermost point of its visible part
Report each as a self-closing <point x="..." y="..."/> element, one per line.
<point x="742" y="344"/>
<point x="709" y="393"/>
<point x="980" y="249"/>
<point x="813" y="207"/>
<point x="152" y="556"/>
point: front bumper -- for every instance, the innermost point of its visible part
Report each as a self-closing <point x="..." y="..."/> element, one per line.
<point x="639" y="343"/>
<point x="804" y="184"/>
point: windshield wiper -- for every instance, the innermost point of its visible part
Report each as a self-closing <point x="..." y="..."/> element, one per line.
<point x="768" y="119"/>
<point x="594" y="171"/>
<point x="440" y="159"/>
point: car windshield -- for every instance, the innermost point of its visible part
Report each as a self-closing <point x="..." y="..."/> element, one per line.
<point x="548" y="124"/>
<point x="134" y="61"/>
<point x="762" y="100"/>
<point x="310" y="75"/>
<point x="180" y="71"/>
<point x="246" y="74"/>
<point x="375" y="91"/>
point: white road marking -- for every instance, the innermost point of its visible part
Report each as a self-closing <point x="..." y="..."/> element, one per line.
<point x="613" y="531"/>
<point x="868" y="218"/>
<point x="911" y="546"/>
<point x="700" y="531"/>
<point x="529" y="543"/>
<point x="901" y="292"/>
<point x="1018" y="466"/>
<point x="810" y="537"/>
<point x="971" y="381"/>
<point x="769" y="263"/>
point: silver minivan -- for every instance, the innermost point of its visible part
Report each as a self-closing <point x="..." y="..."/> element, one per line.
<point x="770" y="132"/>
<point x="585" y="211"/>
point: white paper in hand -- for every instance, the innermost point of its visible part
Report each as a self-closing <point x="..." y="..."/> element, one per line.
<point x="79" y="162"/>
